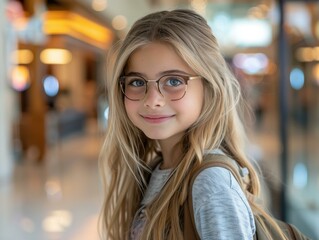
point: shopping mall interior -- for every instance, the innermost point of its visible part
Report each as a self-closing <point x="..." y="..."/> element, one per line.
<point x="54" y="105"/>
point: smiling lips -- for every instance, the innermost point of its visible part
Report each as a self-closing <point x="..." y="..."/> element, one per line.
<point x="156" y="118"/>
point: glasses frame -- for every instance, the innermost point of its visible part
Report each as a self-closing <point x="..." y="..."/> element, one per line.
<point x="157" y="81"/>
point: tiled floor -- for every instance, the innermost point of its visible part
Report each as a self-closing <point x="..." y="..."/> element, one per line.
<point x="59" y="200"/>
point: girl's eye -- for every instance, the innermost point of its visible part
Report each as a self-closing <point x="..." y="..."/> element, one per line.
<point x="174" y="81"/>
<point x="136" y="82"/>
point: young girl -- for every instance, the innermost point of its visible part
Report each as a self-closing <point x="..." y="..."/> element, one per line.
<point x="172" y="100"/>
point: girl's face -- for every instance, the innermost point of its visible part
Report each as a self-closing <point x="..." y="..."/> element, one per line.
<point x="156" y="115"/>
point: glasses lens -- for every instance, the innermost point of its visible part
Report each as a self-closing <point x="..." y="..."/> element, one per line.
<point x="133" y="87"/>
<point x="174" y="87"/>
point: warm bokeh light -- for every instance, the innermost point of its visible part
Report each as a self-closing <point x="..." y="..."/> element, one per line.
<point x="53" y="190"/>
<point x="307" y="54"/>
<point x="99" y="5"/>
<point x="57" y="221"/>
<point x="55" y="56"/>
<point x="316" y="53"/>
<point x="79" y="27"/>
<point x="20" y="78"/>
<point x="199" y="6"/>
<point x="315" y="72"/>
<point x="260" y="11"/>
<point x="119" y="22"/>
<point x="22" y="56"/>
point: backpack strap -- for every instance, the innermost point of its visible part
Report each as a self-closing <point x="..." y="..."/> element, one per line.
<point x="210" y="160"/>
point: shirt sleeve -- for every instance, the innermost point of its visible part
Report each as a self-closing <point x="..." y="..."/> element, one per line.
<point x="221" y="209"/>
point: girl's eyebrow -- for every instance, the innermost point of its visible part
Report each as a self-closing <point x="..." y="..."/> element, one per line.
<point x="173" y="71"/>
<point x="135" y="74"/>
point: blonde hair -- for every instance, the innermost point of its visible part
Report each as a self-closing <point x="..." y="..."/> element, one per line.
<point x="127" y="154"/>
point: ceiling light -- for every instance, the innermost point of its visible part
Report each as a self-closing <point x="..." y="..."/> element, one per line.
<point x="55" y="56"/>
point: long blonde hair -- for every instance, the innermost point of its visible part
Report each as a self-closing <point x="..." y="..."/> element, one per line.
<point x="127" y="154"/>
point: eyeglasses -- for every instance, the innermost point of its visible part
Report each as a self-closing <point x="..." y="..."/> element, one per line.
<point x="173" y="87"/>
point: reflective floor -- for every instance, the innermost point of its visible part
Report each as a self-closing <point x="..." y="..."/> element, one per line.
<point x="57" y="200"/>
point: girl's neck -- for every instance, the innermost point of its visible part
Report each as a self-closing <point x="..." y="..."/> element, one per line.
<point x="171" y="151"/>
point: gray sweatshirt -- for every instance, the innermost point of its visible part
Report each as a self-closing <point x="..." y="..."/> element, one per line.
<point x="221" y="210"/>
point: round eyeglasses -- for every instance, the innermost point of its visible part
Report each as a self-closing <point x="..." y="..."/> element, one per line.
<point x="173" y="87"/>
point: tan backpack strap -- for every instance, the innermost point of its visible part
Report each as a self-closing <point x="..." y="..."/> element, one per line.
<point x="190" y="232"/>
<point x="210" y="160"/>
<point x="218" y="160"/>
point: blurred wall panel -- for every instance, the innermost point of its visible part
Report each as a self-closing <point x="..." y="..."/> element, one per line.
<point x="32" y="123"/>
<point x="5" y="108"/>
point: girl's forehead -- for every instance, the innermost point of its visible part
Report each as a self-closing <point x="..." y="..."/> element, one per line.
<point x="156" y="57"/>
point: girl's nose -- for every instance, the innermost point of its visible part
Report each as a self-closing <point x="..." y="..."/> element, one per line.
<point x="153" y="97"/>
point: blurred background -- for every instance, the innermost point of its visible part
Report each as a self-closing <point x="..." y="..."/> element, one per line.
<point x="53" y="105"/>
